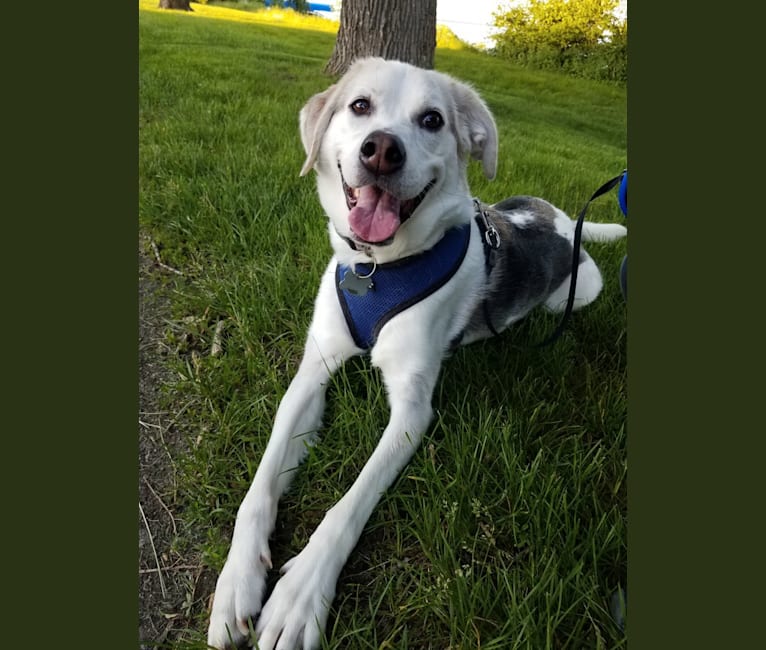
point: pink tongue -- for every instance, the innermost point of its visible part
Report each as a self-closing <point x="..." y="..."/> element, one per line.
<point x="375" y="217"/>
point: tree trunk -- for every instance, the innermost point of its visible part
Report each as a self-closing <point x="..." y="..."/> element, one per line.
<point x="176" y="4"/>
<point x="392" y="29"/>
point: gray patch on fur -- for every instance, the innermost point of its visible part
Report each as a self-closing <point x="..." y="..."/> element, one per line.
<point x="532" y="261"/>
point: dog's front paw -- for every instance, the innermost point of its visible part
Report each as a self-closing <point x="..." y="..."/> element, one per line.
<point x="238" y="598"/>
<point x="296" y="613"/>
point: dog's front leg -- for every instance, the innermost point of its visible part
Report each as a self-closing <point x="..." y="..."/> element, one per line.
<point x="240" y="586"/>
<point x="296" y="613"/>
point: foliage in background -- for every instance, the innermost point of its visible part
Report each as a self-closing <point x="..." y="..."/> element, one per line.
<point x="244" y="5"/>
<point x="298" y="5"/>
<point x="301" y="6"/>
<point x="580" y="37"/>
<point x="446" y="38"/>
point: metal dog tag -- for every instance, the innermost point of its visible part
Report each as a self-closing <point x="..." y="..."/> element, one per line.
<point x="355" y="284"/>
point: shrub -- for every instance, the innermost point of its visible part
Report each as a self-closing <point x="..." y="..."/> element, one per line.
<point x="580" y="37"/>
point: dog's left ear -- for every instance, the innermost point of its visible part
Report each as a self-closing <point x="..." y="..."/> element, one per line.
<point x="477" y="132"/>
<point x="315" y="117"/>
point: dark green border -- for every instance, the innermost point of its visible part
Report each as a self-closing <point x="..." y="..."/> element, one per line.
<point x="70" y="315"/>
<point x="695" y="253"/>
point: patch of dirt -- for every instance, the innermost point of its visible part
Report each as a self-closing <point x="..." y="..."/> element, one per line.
<point x="174" y="588"/>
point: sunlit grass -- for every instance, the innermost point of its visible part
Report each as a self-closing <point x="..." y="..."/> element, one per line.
<point x="271" y="16"/>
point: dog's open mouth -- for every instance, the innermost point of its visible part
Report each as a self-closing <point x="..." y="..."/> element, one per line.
<point x="375" y="214"/>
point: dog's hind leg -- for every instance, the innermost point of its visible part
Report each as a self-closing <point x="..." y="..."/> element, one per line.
<point x="296" y="612"/>
<point x="589" y="285"/>
<point x="240" y="587"/>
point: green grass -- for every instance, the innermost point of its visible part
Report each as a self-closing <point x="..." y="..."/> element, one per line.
<point x="508" y="528"/>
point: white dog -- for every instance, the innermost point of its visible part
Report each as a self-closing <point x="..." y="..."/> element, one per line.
<point x="418" y="268"/>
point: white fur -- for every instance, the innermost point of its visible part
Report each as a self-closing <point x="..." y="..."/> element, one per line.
<point x="523" y="218"/>
<point x="602" y="232"/>
<point x="409" y="350"/>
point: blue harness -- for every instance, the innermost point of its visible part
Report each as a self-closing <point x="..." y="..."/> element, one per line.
<point x="398" y="285"/>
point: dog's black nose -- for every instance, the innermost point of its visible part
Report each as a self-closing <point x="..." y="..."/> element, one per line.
<point x="382" y="153"/>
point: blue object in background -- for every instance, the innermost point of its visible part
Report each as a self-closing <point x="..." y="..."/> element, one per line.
<point x="622" y="197"/>
<point x="290" y="4"/>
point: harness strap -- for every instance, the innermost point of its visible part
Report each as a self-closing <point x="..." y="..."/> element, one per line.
<point x="398" y="285"/>
<point x="491" y="240"/>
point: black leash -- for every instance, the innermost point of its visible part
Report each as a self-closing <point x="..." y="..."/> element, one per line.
<point x="576" y="259"/>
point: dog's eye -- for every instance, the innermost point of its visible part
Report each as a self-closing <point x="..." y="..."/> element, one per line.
<point x="360" y="106"/>
<point x="431" y="120"/>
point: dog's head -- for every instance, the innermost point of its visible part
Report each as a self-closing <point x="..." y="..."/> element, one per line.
<point x="390" y="144"/>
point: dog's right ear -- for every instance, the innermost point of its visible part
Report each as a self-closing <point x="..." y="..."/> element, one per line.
<point x="315" y="117"/>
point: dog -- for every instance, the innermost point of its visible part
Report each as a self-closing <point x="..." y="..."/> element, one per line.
<point x="419" y="268"/>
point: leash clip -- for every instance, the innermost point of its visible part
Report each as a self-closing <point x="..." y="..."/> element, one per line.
<point x="491" y="236"/>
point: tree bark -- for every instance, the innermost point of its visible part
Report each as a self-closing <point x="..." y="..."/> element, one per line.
<point x="176" y="4"/>
<point x="392" y="29"/>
